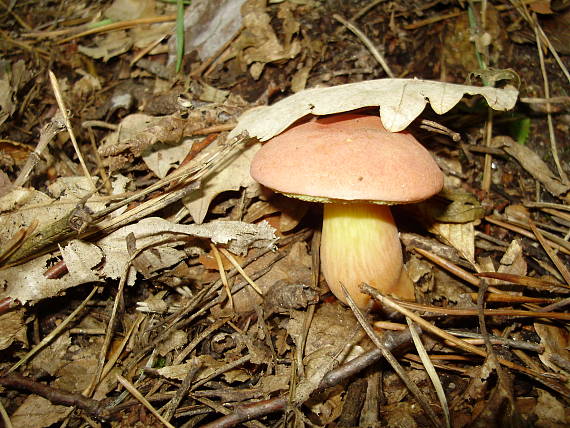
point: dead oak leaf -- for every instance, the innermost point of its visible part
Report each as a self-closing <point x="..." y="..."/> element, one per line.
<point x="233" y="174"/>
<point x="400" y="101"/>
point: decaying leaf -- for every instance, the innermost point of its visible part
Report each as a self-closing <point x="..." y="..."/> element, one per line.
<point x="210" y="25"/>
<point x="38" y="412"/>
<point x="76" y="375"/>
<point x="533" y="164"/>
<point x="176" y="339"/>
<point x="160" y="160"/>
<point x="294" y="268"/>
<point x="12" y="78"/>
<point x="453" y="205"/>
<point x="550" y="412"/>
<point x="231" y="175"/>
<point x="258" y="44"/>
<point x="208" y="365"/>
<point x="108" y="46"/>
<point x="27" y="282"/>
<point x="400" y="102"/>
<point x="331" y="328"/>
<point x="513" y="261"/>
<point x="556" y="342"/>
<point x="12" y="328"/>
<point x="460" y="236"/>
<point x="52" y="358"/>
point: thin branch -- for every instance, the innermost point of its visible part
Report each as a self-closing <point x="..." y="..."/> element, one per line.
<point x="247" y="412"/>
<point x="367" y="42"/>
<point x="392" y="360"/>
<point x="63" y="110"/>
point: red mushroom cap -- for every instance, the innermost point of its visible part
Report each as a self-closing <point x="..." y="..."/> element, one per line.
<point x="349" y="157"/>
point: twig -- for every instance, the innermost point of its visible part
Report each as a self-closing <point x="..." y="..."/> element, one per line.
<point x="60" y="230"/>
<point x="223" y="276"/>
<point x="391" y="359"/>
<point x="553" y="256"/>
<point x="122" y="25"/>
<point x="504" y="381"/>
<point x="497" y="340"/>
<point x="454" y="269"/>
<point x="560" y="245"/>
<point x="365" y="9"/>
<point x="143" y="400"/>
<point x="432" y="126"/>
<point x="234" y="262"/>
<point x="63" y="111"/>
<point x="183" y="390"/>
<point x="118" y="350"/>
<point x="430" y="369"/>
<point x="48" y="133"/>
<point x="367" y="42"/>
<point x="553" y="146"/>
<point x="242" y="413"/>
<point x="386" y="301"/>
<point x="212" y="328"/>
<point x="110" y="328"/>
<point x="55" y="332"/>
<point x="466" y="312"/>
<point x="56" y="396"/>
<point x="223" y="369"/>
<point x="5" y="417"/>
<point x="487" y="170"/>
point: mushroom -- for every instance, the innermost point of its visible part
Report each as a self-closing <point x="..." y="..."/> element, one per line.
<point x="352" y="164"/>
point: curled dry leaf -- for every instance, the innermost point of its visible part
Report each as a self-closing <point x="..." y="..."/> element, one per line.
<point x="400" y="102"/>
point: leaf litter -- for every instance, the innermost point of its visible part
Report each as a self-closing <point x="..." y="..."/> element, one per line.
<point x="169" y="155"/>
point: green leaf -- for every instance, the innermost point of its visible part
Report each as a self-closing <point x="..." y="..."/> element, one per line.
<point x="520" y="130"/>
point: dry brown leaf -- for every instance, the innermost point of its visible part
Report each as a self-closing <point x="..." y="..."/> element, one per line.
<point x="161" y="159"/>
<point x="12" y="78"/>
<point x="400" y="102"/>
<point x="258" y="44"/>
<point x="513" y="261"/>
<point x="208" y="366"/>
<point x="108" y="46"/>
<point x="13" y="328"/>
<point x="27" y="282"/>
<point x="332" y="326"/>
<point x="76" y="376"/>
<point x="20" y="207"/>
<point x="176" y="339"/>
<point x="209" y="26"/>
<point x="38" y="412"/>
<point x="550" y="412"/>
<point x="294" y="268"/>
<point x="533" y="164"/>
<point x="231" y="175"/>
<point x="123" y="10"/>
<point x="274" y="383"/>
<point x="460" y="236"/>
<point x="53" y="357"/>
<point x="556" y="342"/>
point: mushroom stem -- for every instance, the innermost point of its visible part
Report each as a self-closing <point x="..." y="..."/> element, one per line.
<point x="359" y="244"/>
